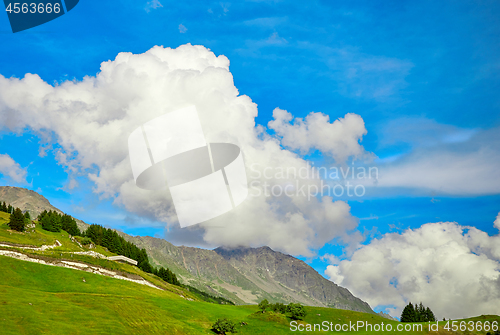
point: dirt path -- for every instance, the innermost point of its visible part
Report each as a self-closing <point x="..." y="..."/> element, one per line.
<point x="42" y="248"/>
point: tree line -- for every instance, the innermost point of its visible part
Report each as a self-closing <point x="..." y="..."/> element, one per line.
<point x="105" y="237"/>
<point x="417" y="313"/>
<point x="55" y="222"/>
<point x="110" y="239"/>
<point x="6" y="208"/>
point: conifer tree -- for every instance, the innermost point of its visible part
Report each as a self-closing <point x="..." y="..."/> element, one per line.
<point x="408" y="314"/>
<point x="27" y="217"/>
<point x="68" y="224"/>
<point x="429" y="315"/>
<point x="46" y="223"/>
<point x="419" y="313"/>
<point x="16" y="221"/>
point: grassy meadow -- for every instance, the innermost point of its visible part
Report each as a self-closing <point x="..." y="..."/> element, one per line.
<point x="41" y="299"/>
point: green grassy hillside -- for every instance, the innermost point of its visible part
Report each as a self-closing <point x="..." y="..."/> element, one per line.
<point x="36" y="298"/>
<point x="42" y="299"/>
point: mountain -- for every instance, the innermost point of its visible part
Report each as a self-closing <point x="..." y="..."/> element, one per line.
<point x="30" y="201"/>
<point x="243" y="275"/>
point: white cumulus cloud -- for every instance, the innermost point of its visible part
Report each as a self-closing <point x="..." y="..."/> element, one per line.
<point x="92" y="119"/>
<point x="12" y="170"/>
<point x="340" y="138"/>
<point x="455" y="270"/>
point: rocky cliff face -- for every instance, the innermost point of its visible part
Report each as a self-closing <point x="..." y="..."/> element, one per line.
<point x="248" y="275"/>
<point x="244" y="275"/>
<point x="26" y="200"/>
<point x="283" y="274"/>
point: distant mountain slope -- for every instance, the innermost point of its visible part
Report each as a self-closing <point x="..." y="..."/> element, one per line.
<point x="244" y="275"/>
<point x="25" y="199"/>
<point x="28" y="200"/>
<point x="247" y="275"/>
<point x="279" y="273"/>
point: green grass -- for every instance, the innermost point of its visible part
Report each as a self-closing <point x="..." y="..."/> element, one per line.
<point x="41" y="299"/>
<point x="38" y="299"/>
<point x="36" y="238"/>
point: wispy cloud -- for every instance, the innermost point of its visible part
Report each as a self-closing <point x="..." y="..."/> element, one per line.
<point x="266" y="22"/>
<point x="153" y="4"/>
<point x="440" y="158"/>
<point x="361" y="75"/>
<point x="182" y="28"/>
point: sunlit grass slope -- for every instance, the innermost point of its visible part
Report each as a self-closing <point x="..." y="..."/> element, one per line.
<point x="41" y="299"/>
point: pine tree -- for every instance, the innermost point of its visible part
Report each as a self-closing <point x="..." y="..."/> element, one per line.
<point x="16" y="221"/>
<point x="46" y="223"/>
<point x="3" y="207"/>
<point x="27" y="217"/>
<point x="41" y="215"/>
<point x="56" y="221"/>
<point x="408" y="314"/>
<point x="429" y="315"/>
<point x="68" y="224"/>
<point x="419" y="313"/>
<point x="175" y="281"/>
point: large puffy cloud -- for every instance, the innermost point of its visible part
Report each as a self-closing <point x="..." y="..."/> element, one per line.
<point x="91" y="120"/>
<point x="340" y="139"/>
<point x="455" y="270"/>
<point x="12" y="170"/>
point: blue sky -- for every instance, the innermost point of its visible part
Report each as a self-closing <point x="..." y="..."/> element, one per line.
<point x="424" y="77"/>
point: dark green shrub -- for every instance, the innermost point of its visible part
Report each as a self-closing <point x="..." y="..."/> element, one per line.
<point x="263" y="305"/>
<point x="224" y="326"/>
<point x="295" y="311"/>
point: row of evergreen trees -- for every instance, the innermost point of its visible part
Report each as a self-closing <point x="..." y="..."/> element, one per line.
<point x="6" y="208"/>
<point x="55" y="222"/>
<point x="166" y="275"/>
<point x="110" y="239"/>
<point x="417" y="313"/>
